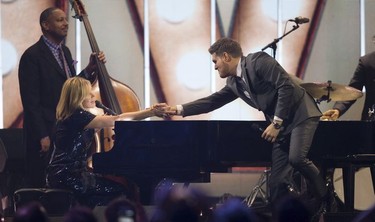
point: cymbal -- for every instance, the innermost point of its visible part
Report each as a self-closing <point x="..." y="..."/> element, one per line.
<point x="332" y="91"/>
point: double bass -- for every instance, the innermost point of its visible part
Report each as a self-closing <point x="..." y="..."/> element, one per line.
<point x="108" y="90"/>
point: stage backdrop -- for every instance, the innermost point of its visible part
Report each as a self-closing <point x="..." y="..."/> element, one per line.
<point x="179" y="33"/>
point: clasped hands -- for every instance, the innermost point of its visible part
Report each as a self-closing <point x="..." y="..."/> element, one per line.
<point x="163" y="110"/>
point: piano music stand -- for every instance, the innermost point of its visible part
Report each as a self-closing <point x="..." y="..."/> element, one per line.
<point x="258" y="190"/>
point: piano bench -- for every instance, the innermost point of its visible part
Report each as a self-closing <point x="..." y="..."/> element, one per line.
<point x="349" y="165"/>
<point x="56" y="201"/>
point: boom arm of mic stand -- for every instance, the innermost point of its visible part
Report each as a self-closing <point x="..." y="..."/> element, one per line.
<point x="273" y="45"/>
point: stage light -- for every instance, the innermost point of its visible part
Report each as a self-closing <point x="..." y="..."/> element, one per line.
<point x="175" y="11"/>
<point x="193" y="70"/>
<point x="289" y="9"/>
<point x="9" y="57"/>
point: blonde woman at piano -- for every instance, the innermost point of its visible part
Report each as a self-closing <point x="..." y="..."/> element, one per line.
<point x="73" y="136"/>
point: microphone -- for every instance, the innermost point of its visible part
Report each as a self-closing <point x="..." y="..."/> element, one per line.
<point x="257" y="127"/>
<point x="300" y="20"/>
<point x="106" y="109"/>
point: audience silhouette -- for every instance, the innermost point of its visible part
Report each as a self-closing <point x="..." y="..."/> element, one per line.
<point x="31" y="212"/>
<point x="80" y="214"/>
<point x="181" y="204"/>
<point x="234" y="210"/>
<point x="123" y="209"/>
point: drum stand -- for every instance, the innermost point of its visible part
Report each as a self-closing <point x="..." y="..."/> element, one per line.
<point x="258" y="190"/>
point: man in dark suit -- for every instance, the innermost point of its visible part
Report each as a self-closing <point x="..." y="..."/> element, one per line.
<point x="43" y="70"/>
<point x="293" y="114"/>
<point x="364" y="76"/>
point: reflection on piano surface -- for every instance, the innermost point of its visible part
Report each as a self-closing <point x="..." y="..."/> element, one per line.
<point x="187" y="151"/>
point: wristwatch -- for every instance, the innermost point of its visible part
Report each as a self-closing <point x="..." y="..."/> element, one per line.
<point x="276" y="125"/>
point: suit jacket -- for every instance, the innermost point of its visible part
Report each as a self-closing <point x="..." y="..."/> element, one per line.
<point x="272" y="91"/>
<point x="364" y="75"/>
<point x="41" y="80"/>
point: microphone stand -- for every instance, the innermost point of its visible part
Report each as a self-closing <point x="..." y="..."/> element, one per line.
<point x="273" y="45"/>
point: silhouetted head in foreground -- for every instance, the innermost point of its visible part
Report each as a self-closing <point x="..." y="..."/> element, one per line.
<point x="182" y="204"/>
<point x="31" y="212"/>
<point x="234" y="210"/>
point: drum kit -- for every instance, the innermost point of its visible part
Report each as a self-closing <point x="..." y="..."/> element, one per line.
<point x="363" y="185"/>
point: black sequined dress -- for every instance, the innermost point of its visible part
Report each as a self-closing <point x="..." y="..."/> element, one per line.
<point x="68" y="168"/>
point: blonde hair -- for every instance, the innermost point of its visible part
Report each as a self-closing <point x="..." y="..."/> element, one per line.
<point x="72" y="95"/>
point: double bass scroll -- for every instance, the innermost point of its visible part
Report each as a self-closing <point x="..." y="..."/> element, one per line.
<point x="108" y="89"/>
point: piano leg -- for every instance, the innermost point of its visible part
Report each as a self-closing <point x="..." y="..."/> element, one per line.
<point x="372" y="169"/>
<point x="348" y="178"/>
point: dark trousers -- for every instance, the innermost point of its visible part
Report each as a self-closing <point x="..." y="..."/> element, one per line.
<point x="292" y="155"/>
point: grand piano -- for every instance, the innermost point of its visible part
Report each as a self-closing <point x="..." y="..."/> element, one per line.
<point x="188" y="151"/>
